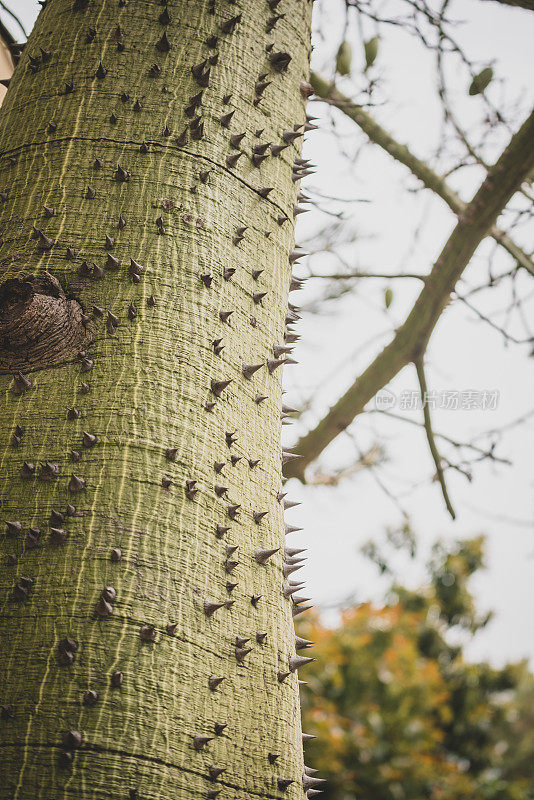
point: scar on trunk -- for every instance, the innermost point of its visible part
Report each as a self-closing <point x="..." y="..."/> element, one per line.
<point x="39" y="325"/>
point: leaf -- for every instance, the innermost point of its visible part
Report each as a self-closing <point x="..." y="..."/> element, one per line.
<point x="388" y="297"/>
<point x="371" y="51"/>
<point x="481" y="81"/>
<point x="344" y="59"/>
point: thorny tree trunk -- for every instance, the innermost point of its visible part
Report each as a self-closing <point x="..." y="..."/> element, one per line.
<point x="147" y="647"/>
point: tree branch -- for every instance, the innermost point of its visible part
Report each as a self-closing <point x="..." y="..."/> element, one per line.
<point x="528" y="4"/>
<point x="411" y="339"/>
<point x="420" y="369"/>
<point x="14" y="17"/>
<point x="419" y="168"/>
<point x="342" y="276"/>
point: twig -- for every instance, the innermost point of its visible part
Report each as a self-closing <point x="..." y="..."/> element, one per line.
<point x="340" y="276"/>
<point x="419" y="367"/>
<point x="14" y="16"/>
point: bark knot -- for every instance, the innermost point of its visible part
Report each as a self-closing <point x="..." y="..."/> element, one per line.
<point x="39" y="325"/>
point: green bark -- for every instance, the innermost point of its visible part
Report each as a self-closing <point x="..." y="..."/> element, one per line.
<point x="73" y="130"/>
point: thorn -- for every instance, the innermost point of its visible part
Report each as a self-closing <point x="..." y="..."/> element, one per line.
<point x="280" y="350"/>
<point x="287" y="591"/>
<point x="292" y="529"/>
<point x="296" y="662"/>
<point x="289" y="569"/>
<point x="214" y="772"/>
<point x="220" y="531"/>
<point x="272" y="757"/>
<point x="190" y="489"/>
<point x="229" y="25"/>
<point x="283" y="783"/>
<point x="199" y="741"/>
<point x="112" y="262"/>
<point x="293" y="551"/>
<point x="250" y="369"/>
<point x="217" y="387"/>
<point x="260" y="398"/>
<point x="290" y="136"/>
<point x="300" y="610"/>
<point x="236" y="139"/>
<point x="279" y="61"/>
<point x="309" y="782"/>
<point x="210" y="607"/>
<point x="282" y="676"/>
<point x="76" y="484"/>
<point x="258" y="160"/>
<point x="225" y="315"/>
<point x="233" y="511"/>
<point x="241" y="653"/>
<point x="225" y="119"/>
<point x="302" y="644"/>
<point x="163" y="44"/>
<point x="164" y="17"/>
<point x="262" y="556"/>
<point x="214" y="681"/>
<point x="219" y="727"/>
<point x="89" y="439"/>
<point x="147" y="633"/>
<point x="230" y="437"/>
<point x="232" y="159"/>
<point x="255" y="599"/>
<point x="274" y="363"/>
<point x="260" y="86"/>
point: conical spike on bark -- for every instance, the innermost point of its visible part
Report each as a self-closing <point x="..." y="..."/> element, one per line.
<point x="263" y="556"/>
<point x="296" y="662"/>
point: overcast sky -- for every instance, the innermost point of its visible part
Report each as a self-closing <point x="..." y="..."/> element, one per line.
<point x="464" y="354"/>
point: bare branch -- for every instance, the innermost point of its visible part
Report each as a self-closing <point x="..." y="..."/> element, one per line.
<point x="419" y="168"/>
<point x="528" y="4"/>
<point x="371" y="458"/>
<point x="410" y="340"/>
<point x="341" y="276"/>
<point x="14" y="16"/>
<point x="419" y="366"/>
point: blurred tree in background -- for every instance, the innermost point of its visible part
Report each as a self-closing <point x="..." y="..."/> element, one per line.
<point x="399" y="712"/>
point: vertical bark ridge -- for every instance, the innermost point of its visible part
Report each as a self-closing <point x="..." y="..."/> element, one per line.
<point x="105" y="542"/>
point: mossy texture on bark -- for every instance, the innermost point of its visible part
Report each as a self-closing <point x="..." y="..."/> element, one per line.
<point x="129" y="231"/>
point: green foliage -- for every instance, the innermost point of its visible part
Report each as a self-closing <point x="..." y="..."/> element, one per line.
<point x="370" y="51"/>
<point x="481" y="81"/>
<point x="400" y="714"/>
<point x="344" y="59"/>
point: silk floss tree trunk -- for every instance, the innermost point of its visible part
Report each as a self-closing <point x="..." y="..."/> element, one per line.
<point x="148" y="173"/>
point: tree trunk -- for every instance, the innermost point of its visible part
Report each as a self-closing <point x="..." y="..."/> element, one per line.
<point x="144" y="263"/>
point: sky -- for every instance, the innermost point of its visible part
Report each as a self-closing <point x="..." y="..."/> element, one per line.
<point x="464" y="354"/>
